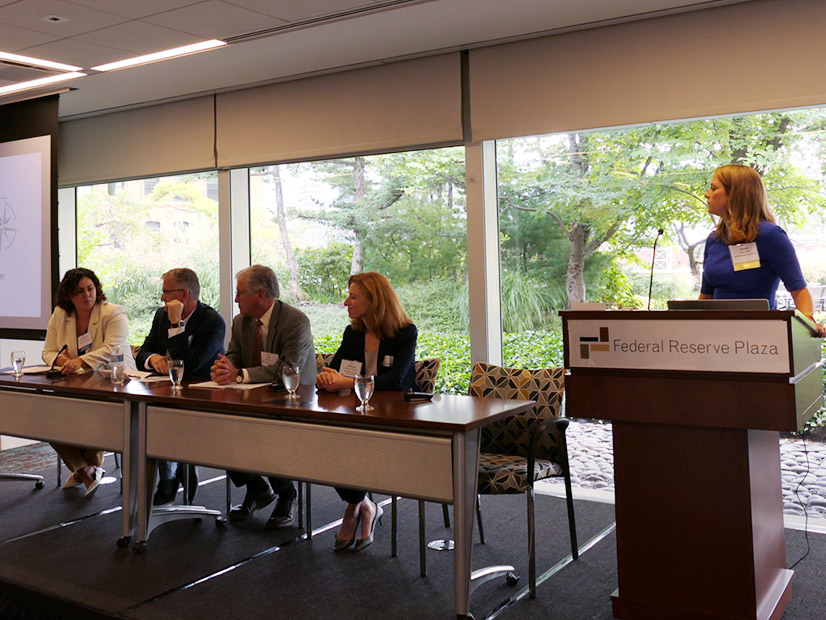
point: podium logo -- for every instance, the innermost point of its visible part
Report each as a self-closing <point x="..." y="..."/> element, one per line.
<point x="8" y="232"/>
<point x="588" y="344"/>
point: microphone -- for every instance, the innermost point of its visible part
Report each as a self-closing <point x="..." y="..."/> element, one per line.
<point x="660" y="231"/>
<point x="53" y="372"/>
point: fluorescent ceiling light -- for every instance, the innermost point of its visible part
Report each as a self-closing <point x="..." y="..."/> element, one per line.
<point x="177" y="51"/>
<point x="63" y="77"/>
<point x="37" y="62"/>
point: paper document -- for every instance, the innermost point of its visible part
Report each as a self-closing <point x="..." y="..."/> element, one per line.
<point x="155" y="379"/>
<point x="142" y="374"/>
<point x="231" y="386"/>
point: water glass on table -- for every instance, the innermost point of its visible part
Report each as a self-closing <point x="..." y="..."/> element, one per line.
<point x="176" y="373"/>
<point x="291" y="378"/>
<point x="18" y="360"/>
<point x="364" y="386"/>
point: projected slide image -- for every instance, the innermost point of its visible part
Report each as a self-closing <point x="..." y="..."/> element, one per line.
<point x="24" y="196"/>
<point x="20" y="259"/>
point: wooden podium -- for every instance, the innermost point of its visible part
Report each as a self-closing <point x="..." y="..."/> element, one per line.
<point x="697" y="399"/>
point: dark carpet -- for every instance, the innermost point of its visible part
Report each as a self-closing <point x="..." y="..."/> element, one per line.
<point x="50" y="571"/>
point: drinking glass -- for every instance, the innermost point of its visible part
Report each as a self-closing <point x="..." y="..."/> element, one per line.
<point x="364" y="385"/>
<point x="291" y="377"/>
<point x="176" y="373"/>
<point x="18" y="360"/>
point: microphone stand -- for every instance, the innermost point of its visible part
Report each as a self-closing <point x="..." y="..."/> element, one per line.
<point x="54" y="373"/>
<point x="660" y="231"/>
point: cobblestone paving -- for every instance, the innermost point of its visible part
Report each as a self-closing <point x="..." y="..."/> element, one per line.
<point x="590" y="452"/>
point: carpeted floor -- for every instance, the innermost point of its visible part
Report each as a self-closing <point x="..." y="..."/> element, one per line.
<point x="58" y="559"/>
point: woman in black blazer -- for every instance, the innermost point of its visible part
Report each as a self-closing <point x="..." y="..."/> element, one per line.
<point x="380" y="341"/>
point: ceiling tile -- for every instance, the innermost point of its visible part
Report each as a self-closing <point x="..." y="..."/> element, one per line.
<point x="291" y="11"/>
<point x="10" y="74"/>
<point x="135" y="9"/>
<point x="214" y="19"/>
<point x="139" y="37"/>
<point x="14" y="39"/>
<point x="27" y="14"/>
<point x="78" y="53"/>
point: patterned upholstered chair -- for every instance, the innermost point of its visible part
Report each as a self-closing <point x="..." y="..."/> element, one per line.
<point x="425" y="372"/>
<point x="424" y="380"/>
<point x="323" y="359"/>
<point x="519" y="450"/>
<point x="531" y="441"/>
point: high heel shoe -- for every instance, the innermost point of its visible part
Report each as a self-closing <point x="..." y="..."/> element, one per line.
<point x="72" y="481"/>
<point x="97" y="476"/>
<point x="345" y="543"/>
<point x="361" y="543"/>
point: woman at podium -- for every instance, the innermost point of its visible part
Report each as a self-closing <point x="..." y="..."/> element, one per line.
<point x="747" y="254"/>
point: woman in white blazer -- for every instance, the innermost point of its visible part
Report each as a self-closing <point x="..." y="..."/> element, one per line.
<point x="83" y="331"/>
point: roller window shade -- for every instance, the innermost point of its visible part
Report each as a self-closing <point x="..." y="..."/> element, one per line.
<point x="404" y="104"/>
<point x="156" y="140"/>
<point x="754" y="56"/>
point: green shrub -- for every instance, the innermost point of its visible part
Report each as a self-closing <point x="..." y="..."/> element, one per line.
<point x="525" y="350"/>
<point x="434" y="305"/>
<point x="323" y="272"/>
<point x="533" y="349"/>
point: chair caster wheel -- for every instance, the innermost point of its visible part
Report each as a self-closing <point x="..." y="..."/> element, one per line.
<point x="123" y="542"/>
<point x="512" y="579"/>
<point x="39" y="484"/>
<point x="139" y="546"/>
<point x="220" y="521"/>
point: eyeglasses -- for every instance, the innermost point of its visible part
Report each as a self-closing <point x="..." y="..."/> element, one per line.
<point x="166" y="291"/>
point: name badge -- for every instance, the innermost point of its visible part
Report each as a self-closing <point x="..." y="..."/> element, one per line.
<point x="269" y="359"/>
<point x="744" y="256"/>
<point x="84" y="342"/>
<point x="387" y="361"/>
<point x="350" y="368"/>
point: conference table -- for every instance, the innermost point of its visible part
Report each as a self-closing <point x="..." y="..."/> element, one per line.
<point x="420" y="449"/>
<point x="82" y="410"/>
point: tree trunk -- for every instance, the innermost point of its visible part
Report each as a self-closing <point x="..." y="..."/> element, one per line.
<point x="575" y="276"/>
<point x="578" y="233"/>
<point x="359" y="193"/>
<point x="293" y="286"/>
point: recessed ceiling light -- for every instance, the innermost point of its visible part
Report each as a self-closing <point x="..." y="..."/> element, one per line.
<point x="164" y="55"/>
<point x="37" y="62"/>
<point x="63" y="77"/>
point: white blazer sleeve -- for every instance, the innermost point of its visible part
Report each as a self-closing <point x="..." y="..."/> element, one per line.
<point x="51" y="346"/>
<point x="114" y="330"/>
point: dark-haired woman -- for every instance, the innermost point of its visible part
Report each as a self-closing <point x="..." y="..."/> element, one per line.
<point x="380" y="341"/>
<point x="90" y="328"/>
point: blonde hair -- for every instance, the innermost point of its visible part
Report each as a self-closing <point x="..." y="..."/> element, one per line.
<point x="386" y="315"/>
<point x="748" y="204"/>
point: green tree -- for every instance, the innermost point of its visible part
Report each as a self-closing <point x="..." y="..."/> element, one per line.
<point x="404" y="212"/>
<point x="610" y="190"/>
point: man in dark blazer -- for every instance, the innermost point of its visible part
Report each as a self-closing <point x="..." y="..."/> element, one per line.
<point x="266" y="335"/>
<point x="183" y="329"/>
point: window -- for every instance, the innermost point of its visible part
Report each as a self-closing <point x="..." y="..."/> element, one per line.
<point x="579" y="214"/>
<point x="400" y="214"/>
<point x="129" y="233"/>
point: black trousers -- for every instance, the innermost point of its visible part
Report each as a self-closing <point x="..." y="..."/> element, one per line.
<point x="351" y="496"/>
<point x="257" y="484"/>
